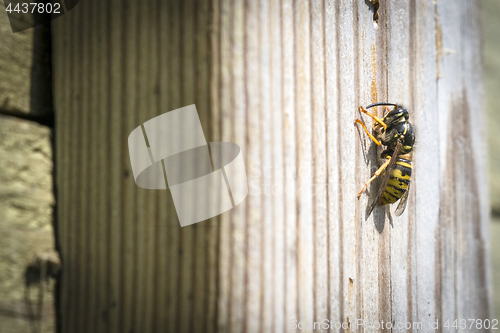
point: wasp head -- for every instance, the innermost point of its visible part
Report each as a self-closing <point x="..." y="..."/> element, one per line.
<point x="395" y="116"/>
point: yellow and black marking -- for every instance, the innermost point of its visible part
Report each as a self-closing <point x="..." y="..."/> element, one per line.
<point x="398" y="182"/>
<point x="396" y="133"/>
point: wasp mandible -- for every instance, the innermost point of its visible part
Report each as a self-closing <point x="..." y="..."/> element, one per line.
<point x="396" y="133"/>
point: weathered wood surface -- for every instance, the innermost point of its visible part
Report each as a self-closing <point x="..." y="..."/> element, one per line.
<point x="283" y="80"/>
<point x="26" y="198"/>
<point x="16" y="59"/>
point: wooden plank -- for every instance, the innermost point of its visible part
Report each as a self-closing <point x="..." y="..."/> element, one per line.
<point x="304" y="174"/>
<point x="148" y="47"/>
<point x="234" y="130"/>
<point x="143" y="199"/>
<point x="202" y="236"/>
<point x="398" y="91"/>
<point x="214" y="298"/>
<point x="266" y="308"/>
<point x="187" y="81"/>
<point x="373" y="233"/>
<point x="276" y="230"/>
<point x="449" y="86"/>
<point x="61" y="100"/>
<point x="347" y="144"/>
<point x="252" y="108"/>
<point x="128" y="233"/>
<point x="164" y="204"/>
<point x="74" y="227"/>
<point x="223" y="101"/>
<point x="116" y="137"/>
<point x="82" y="322"/>
<point x="148" y="81"/>
<point x="174" y="94"/>
<point x="473" y="59"/>
<point x="383" y="224"/>
<point x="290" y="162"/>
<point x="103" y="153"/>
<point x="284" y="81"/>
<point x="16" y="61"/>
<point x="332" y="72"/>
<point x="425" y="178"/>
<point x="319" y="162"/>
<point x="94" y="172"/>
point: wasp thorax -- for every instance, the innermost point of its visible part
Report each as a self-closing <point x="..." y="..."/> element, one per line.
<point x="402" y="131"/>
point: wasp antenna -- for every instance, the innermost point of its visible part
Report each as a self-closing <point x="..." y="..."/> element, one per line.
<point x="380" y="104"/>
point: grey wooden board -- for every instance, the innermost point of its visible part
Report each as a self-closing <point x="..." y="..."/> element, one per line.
<point x="283" y="80"/>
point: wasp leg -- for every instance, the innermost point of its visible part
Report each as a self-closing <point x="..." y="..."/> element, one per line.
<point x="375" y="175"/>
<point x="368" y="133"/>
<point x="377" y="119"/>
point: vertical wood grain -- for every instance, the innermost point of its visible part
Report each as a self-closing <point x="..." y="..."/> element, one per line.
<point x="290" y="162"/>
<point x="332" y="71"/>
<point x="425" y="177"/>
<point x="128" y="232"/>
<point x="103" y="153"/>
<point x="266" y="308"/>
<point x="284" y="80"/>
<point x="82" y="324"/>
<point x="346" y="144"/>
<point x="371" y="236"/>
<point x="399" y="39"/>
<point x="162" y="263"/>
<point x="319" y="164"/>
<point x="254" y="214"/>
<point x="276" y="317"/>
<point x="94" y="172"/>
<point x="303" y="133"/>
<point x="174" y="94"/>
<point x="214" y="300"/>
<point x="449" y="88"/>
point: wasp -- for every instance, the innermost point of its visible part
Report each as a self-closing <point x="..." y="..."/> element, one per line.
<point x="396" y="133"/>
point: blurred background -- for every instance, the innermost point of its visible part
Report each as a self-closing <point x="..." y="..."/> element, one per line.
<point x="491" y="42"/>
<point x="26" y="188"/>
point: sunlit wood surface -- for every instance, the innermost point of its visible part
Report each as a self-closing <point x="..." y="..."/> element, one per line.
<point x="283" y="80"/>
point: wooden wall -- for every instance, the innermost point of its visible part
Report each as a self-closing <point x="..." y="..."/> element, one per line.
<point x="283" y="80"/>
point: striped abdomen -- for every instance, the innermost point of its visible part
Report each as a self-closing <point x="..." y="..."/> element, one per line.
<point x="398" y="182"/>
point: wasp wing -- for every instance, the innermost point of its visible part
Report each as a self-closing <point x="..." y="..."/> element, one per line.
<point x="402" y="203"/>
<point x="388" y="172"/>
